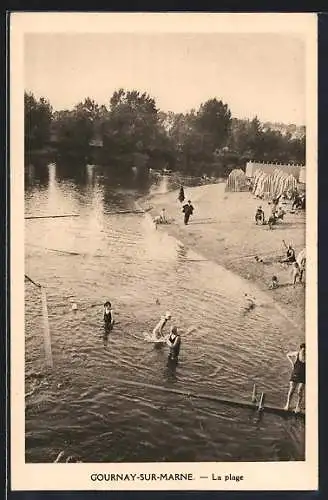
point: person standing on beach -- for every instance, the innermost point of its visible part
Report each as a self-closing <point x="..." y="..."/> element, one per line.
<point x="259" y="215"/>
<point x="188" y="211"/>
<point x="275" y="203"/>
<point x="181" y="196"/>
<point x="290" y="254"/>
<point x="297" y="379"/>
<point x="296" y="273"/>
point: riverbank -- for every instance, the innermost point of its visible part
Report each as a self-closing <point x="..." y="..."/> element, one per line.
<point x="222" y="229"/>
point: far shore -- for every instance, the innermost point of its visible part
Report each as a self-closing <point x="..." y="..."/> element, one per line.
<point x="222" y="229"/>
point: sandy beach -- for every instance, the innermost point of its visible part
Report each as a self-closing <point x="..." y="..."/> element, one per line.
<point x="222" y="229"/>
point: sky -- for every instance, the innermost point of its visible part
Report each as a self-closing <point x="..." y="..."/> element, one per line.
<point x="255" y="74"/>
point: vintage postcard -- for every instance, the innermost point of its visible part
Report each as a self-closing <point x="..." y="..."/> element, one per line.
<point x="163" y="251"/>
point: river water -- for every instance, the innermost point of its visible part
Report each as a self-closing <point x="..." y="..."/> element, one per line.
<point x="83" y="405"/>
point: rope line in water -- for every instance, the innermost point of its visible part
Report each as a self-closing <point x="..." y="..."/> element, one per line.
<point x="33" y="282"/>
<point x="122" y="212"/>
<point x="55" y="250"/>
<point x="62" y="251"/>
<point x="50" y="216"/>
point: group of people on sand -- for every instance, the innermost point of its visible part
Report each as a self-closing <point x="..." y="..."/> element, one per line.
<point x="299" y="201"/>
<point x="277" y="213"/>
<point x="298" y="266"/>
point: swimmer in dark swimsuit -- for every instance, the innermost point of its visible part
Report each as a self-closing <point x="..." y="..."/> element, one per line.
<point x="174" y="343"/>
<point x="108" y="315"/>
<point x="297" y="379"/>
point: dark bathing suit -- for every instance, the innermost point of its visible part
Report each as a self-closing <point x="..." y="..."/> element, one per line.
<point x="108" y="318"/>
<point x="298" y="374"/>
<point x="174" y="350"/>
<point x="291" y="255"/>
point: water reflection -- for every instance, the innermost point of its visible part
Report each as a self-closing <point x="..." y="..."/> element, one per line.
<point x="106" y="333"/>
<point x="36" y="174"/>
<point x="134" y="182"/>
<point x="29" y="174"/>
<point x="91" y="174"/>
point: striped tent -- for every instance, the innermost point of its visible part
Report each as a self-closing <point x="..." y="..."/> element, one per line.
<point x="268" y="168"/>
<point x="237" y="181"/>
<point x="273" y="185"/>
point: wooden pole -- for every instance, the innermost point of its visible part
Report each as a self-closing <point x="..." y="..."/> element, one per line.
<point x="46" y="329"/>
<point x="254" y="394"/>
<point x="261" y="402"/>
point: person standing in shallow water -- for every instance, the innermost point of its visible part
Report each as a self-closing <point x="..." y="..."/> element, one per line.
<point x="188" y="211"/>
<point x="174" y="343"/>
<point x="181" y="196"/>
<point x="108" y="315"/>
<point x="297" y="379"/>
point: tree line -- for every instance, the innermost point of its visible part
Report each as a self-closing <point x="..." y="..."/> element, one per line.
<point x="132" y="131"/>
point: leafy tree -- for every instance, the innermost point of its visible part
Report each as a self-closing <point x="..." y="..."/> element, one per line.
<point x="75" y="129"/>
<point x="132" y="123"/>
<point x="37" y="116"/>
<point x="213" y="121"/>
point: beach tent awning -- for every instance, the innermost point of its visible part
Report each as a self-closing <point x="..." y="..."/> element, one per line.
<point x="236" y="181"/>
